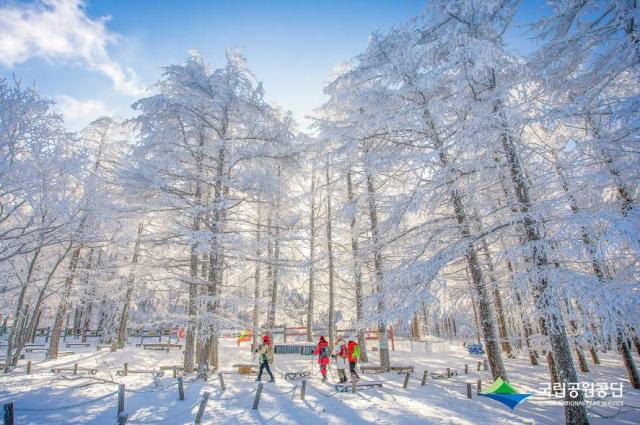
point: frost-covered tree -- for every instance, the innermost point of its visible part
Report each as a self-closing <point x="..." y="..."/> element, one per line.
<point x="208" y="145"/>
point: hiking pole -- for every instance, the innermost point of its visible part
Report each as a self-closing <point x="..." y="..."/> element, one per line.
<point x="330" y="371"/>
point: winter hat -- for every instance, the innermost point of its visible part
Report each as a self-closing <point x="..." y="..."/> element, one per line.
<point x="265" y="338"/>
<point x="322" y="338"/>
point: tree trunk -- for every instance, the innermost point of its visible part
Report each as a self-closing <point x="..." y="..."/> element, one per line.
<point x="14" y="337"/>
<point x="332" y="319"/>
<point x="383" y="344"/>
<point x="475" y="312"/>
<point x="255" y="322"/>
<point x="271" y="315"/>
<point x="124" y="316"/>
<point x="627" y="359"/>
<point x="487" y="321"/>
<point x="54" y="342"/>
<point x="599" y="268"/>
<point x="575" y="412"/>
<point x="192" y="306"/>
<point x="216" y="259"/>
<point x="312" y="260"/>
<point x="636" y="341"/>
<point x="86" y="322"/>
<point x="31" y="331"/>
<point x="357" y="269"/>
<point x="415" y="327"/>
<point x="502" y="322"/>
<point x="553" y="371"/>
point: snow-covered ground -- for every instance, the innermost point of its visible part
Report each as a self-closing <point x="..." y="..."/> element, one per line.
<point x="45" y="398"/>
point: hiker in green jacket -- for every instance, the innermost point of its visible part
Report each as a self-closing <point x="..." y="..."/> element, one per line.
<point x="265" y="350"/>
<point x="353" y="350"/>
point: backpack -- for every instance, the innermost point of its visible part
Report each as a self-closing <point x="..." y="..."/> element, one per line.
<point x="344" y="351"/>
<point x="324" y="351"/>
<point x="356" y="352"/>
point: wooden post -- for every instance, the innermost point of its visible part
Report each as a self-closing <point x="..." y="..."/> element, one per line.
<point x="448" y="372"/>
<point x="484" y="362"/>
<point x="46" y="338"/>
<point x="75" y="368"/>
<point x="122" y="418"/>
<point x="120" y="399"/>
<point x="478" y="368"/>
<point x="468" y="389"/>
<point x="221" y="379"/>
<point x="466" y="369"/>
<point x="126" y="369"/>
<point x="479" y="386"/>
<point x="180" y="388"/>
<point x="29" y="367"/>
<point x="303" y="389"/>
<point x="175" y="373"/>
<point x="406" y="379"/>
<point x="203" y="405"/>
<point x="424" y="377"/>
<point x="353" y="386"/>
<point x="8" y="414"/>
<point x="256" y="400"/>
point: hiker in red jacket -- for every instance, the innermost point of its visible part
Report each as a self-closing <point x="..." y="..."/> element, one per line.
<point x="354" y="356"/>
<point x="323" y="351"/>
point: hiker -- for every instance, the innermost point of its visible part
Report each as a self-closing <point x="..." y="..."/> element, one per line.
<point x="353" y="355"/>
<point x="340" y="354"/>
<point x="265" y="350"/>
<point x="323" y="351"/>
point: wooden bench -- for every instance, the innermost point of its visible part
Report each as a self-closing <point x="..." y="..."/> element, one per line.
<point x="74" y="370"/>
<point x="292" y="376"/>
<point x="395" y="368"/>
<point x="155" y="373"/>
<point x="402" y="368"/>
<point x="246" y="368"/>
<point x="101" y="346"/>
<point x="35" y="349"/>
<point x="33" y="344"/>
<point x="443" y="375"/>
<point x="21" y="357"/>
<point x="77" y="344"/>
<point x="175" y="369"/>
<point x="159" y="346"/>
<point x="348" y="386"/>
<point x="370" y="368"/>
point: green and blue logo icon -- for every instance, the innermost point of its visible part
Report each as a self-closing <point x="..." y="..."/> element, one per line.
<point x="505" y="393"/>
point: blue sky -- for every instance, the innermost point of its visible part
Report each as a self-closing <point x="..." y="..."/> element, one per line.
<point x="91" y="65"/>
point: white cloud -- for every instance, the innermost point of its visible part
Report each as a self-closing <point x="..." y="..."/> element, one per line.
<point x="60" y="31"/>
<point x="79" y="113"/>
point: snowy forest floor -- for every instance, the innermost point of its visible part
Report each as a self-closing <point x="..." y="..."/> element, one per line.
<point x="43" y="397"/>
